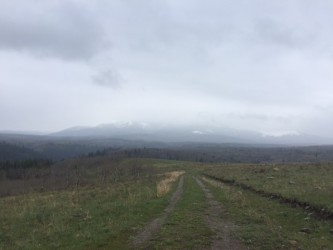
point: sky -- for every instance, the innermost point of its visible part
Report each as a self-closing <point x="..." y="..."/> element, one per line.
<point x="259" y="65"/>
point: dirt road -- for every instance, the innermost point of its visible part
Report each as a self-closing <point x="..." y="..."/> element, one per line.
<point x="152" y="228"/>
<point x="214" y="218"/>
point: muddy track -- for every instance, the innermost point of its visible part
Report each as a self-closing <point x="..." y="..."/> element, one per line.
<point x="153" y="227"/>
<point x="214" y="218"/>
<point x="319" y="212"/>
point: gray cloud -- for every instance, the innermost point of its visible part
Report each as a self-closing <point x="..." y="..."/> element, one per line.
<point x="268" y="31"/>
<point x="268" y="63"/>
<point x="108" y="78"/>
<point x="56" y="29"/>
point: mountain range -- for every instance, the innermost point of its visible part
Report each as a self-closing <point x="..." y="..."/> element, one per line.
<point x="216" y="141"/>
<point x="187" y="134"/>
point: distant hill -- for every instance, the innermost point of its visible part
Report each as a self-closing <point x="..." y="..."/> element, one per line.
<point x="79" y="141"/>
<point x="177" y="134"/>
<point x="11" y="152"/>
<point x="21" y="147"/>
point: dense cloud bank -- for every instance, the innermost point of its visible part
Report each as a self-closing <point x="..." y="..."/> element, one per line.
<point x="257" y="65"/>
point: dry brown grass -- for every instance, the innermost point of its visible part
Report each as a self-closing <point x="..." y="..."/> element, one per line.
<point x="163" y="186"/>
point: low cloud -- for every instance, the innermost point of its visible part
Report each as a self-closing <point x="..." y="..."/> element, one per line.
<point x="55" y="29"/>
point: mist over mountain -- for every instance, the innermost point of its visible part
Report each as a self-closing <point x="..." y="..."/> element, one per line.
<point x="195" y="143"/>
<point x="260" y="66"/>
<point x="197" y="134"/>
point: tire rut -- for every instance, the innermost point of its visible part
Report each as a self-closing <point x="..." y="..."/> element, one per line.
<point x="153" y="227"/>
<point x="320" y="212"/>
<point x="222" y="229"/>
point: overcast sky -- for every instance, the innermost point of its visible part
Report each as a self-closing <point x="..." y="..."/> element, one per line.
<point x="259" y="65"/>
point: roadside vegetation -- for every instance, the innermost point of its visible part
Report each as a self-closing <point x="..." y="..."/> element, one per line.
<point x="164" y="186"/>
<point x="100" y="214"/>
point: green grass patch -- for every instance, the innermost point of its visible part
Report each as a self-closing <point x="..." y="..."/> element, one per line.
<point x="186" y="228"/>
<point x="311" y="183"/>
<point x="89" y="218"/>
<point x="266" y="224"/>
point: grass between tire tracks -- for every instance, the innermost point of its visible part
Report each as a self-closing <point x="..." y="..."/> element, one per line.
<point x="267" y="224"/>
<point x="186" y="227"/>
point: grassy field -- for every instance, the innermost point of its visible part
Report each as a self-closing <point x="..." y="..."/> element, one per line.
<point x="267" y="224"/>
<point x="98" y="216"/>
<point x="308" y="183"/>
<point x="114" y="201"/>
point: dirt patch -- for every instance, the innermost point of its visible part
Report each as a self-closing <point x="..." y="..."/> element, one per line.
<point x="152" y="228"/>
<point x="223" y="238"/>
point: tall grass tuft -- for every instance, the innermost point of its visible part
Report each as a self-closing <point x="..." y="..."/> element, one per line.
<point x="163" y="186"/>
